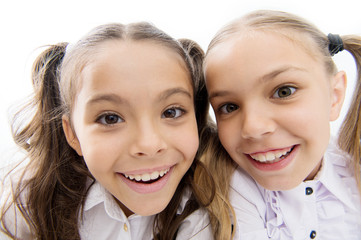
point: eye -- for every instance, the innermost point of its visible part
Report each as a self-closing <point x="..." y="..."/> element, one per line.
<point x="109" y="119"/>
<point x="228" y="108"/>
<point x="284" y="92"/>
<point x="173" y="113"/>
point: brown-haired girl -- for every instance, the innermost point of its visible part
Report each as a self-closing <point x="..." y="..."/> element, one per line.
<point x="274" y="89"/>
<point x="112" y="144"/>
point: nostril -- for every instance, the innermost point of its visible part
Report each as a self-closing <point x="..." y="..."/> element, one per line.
<point x="149" y="152"/>
<point x="147" y="143"/>
<point x="257" y="126"/>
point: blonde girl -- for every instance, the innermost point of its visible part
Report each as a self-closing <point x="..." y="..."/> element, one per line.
<point x="112" y="142"/>
<point x="274" y="89"/>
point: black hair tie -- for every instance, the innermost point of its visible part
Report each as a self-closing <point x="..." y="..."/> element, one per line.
<point x="335" y="44"/>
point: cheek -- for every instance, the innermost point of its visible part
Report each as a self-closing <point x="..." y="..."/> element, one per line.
<point x="227" y="132"/>
<point x="311" y="116"/>
<point x="190" y="145"/>
<point x="95" y="159"/>
<point x="186" y="140"/>
<point x="100" y="153"/>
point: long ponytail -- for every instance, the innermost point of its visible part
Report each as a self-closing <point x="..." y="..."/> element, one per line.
<point x="52" y="162"/>
<point x="350" y="131"/>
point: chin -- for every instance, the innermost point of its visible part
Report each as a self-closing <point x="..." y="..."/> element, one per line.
<point x="279" y="185"/>
<point x="280" y="188"/>
<point x="150" y="212"/>
<point x="150" y="209"/>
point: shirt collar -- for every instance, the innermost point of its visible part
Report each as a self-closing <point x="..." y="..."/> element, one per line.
<point x="97" y="195"/>
<point x="335" y="169"/>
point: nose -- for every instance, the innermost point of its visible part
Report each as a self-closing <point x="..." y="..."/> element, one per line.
<point x="148" y="140"/>
<point x="257" y="122"/>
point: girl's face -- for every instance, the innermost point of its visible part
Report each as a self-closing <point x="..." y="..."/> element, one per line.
<point x="273" y="103"/>
<point x="134" y="123"/>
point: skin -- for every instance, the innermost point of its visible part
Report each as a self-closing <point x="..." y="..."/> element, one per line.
<point x="134" y="114"/>
<point x="270" y="95"/>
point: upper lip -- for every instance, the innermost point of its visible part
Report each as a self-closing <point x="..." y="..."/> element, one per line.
<point x="266" y="150"/>
<point x="147" y="170"/>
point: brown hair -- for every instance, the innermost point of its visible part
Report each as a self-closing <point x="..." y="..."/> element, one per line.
<point x="51" y="199"/>
<point x="276" y="21"/>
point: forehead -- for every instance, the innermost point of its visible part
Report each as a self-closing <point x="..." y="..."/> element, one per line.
<point x="129" y="67"/>
<point x="250" y="58"/>
<point x="260" y="44"/>
<point x="299" y="39"/>
<point x="135" y="57"/>
<point x="146" y="49"/>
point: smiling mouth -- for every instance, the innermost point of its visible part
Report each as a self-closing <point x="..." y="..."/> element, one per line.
<point x="272" y="156"/>
<point x="147" y="177"/>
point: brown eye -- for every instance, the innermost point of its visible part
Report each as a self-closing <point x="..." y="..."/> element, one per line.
<point x="109" y="119"/>
<point x="283" y="92"/>
<point x="172" y="113"/>
<point x="228" y="108"/>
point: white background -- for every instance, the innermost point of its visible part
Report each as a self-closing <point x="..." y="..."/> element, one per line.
<point x="28" y="24"/>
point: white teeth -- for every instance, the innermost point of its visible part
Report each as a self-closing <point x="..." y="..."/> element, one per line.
<point x="269" y="156"/>
<point x="261" y="158"/>
<point x="145" y="177"/>
<point x="154" y="175"/>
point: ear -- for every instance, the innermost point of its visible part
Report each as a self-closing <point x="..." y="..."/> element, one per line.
<point x="338" y="91"/>
<point x="70" y="135"/>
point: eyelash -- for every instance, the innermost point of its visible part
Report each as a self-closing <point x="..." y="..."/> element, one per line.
<point x="178" y="110"/>
<point x="102" y="119"/>
<point x="222" y="109"/>
<point x="277" y="91"/>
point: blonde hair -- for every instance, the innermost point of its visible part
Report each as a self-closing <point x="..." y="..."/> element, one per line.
<point x="285" y="23"/>
<point x="221" y="166"/>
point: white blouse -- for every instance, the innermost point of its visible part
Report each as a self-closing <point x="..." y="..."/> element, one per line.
<point x="103" y="219"/>
<point x="328" y="207"/>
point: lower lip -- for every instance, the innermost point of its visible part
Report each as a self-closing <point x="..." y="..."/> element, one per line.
<point x="276" y="165"/>
<point x="144" y="188"/>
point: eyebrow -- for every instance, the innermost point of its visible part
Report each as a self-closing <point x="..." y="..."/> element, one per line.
<point x="169" y="92"/>
<point x="265" y="78"/>
<point x="114" y="98"/>
<point x="218" y="94"/>
<point x="275" y="73"/>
